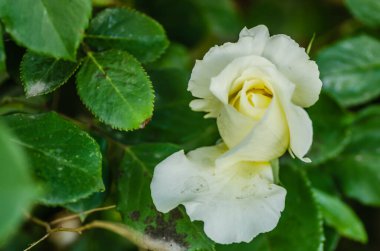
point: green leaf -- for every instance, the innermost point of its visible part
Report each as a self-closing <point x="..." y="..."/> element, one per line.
<point x="300" y="24"/>
<point x="357" y="167"/>
<point x="136" y="206"/>
<point x="65" y="159"/>
<point x="100" y="240"/>
<point x="332" y="239"/>
<point x="2" y="56"/>
<point x="96" y="199"/>
<point x="49" y="27"/>
<point x="115" y="87"/>
<point x="17" y="190"/>
<point x="331" y="129"/>
<point x="340" y="216"/>
<point x="300" y="226"/>
<point x="322" y="180"/>
<point x="41" y="74"/>
<point x="173" y="120"/>
<point x="351" y="75"/>
<point x="367" y="11"/>
<point x="126" y="29"/>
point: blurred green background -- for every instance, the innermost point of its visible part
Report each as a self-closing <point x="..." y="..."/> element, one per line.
<point x="193" y="26"/>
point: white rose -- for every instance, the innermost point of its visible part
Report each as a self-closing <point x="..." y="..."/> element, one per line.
<point x="236" y="203"/>
<point x="256" y="89"/>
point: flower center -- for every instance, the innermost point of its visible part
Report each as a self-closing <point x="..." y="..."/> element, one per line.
<point x="250" y="97"/>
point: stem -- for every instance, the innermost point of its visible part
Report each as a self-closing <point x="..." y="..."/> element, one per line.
<point x="40" y="222"/>
<point x="74" y="216"/>
<point x="37" y="242"/>
<point x="144" y="242"/>
<point x="50" y="231"/>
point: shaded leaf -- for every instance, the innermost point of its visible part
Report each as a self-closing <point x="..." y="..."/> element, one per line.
<point x="96" y="199"/>
<point x="17" y="190"/>
<point x="192" y="26"/>
<point x="2" y="56"/>
<point x="332" y="239"/>
<point x="116" y="89"/>
<point x="367" y="11"/>
<point x="290" y="17"/>
<point x="173" y="120"/>
<point x="136" y="206"/>
<point x="100" y="240"/>
<point x="349" y="74"/>
<point x="328" y="140"/>
<point x="357" y="167"/>
<point x="41" y="74"/>
<point x="300" y="226"/>
<point x="50" y="27"/>
<point x="65" y="159"/>
<point x="176" y="56"/>
<point x="322" y="180"/>
<point x="340" y="216"/>
<point x="221" y="16"/>
<point x="126" y="29"/>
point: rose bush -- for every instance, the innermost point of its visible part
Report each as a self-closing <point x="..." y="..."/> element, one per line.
<point x="256" y="88"/>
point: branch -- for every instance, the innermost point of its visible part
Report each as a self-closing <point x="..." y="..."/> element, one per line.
<point x="50" y="230"/>
<point x="74" y="216"/>
<point x="144" y="242"/>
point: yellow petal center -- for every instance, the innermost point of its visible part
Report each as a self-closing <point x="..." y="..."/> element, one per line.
<point x="250" y="97"/>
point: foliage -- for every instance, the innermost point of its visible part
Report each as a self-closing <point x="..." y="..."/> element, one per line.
<point x="93" y="96"/>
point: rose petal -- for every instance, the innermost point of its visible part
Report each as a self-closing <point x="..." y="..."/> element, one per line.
<point x="235" y="203"/>
<point x="267" y="140"/>
<point x="294" y="63"/>
<point x="210" y="106"/>
<point x="251" y="42"/>
<point x="301" y="131"/>
<point x="299" y="123"/>
<point x="242" y="67"/>
<point x="233" y="126"/>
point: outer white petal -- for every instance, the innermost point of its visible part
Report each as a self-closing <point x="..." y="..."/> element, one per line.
<point x="267" y="140"/>
<point x="299" y="123"/>
<point x="301" y="131"/>
<point x="172" y="180"/>
<point x="251" y="42"/>
<point x="176" y="179"/>
<point x="235" y="203"/>
<point x="211" y="106"/>
<point x="294" y="63"/>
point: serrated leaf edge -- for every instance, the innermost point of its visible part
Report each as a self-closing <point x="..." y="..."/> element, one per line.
<point x="105" y="122"/>
<point x="23" y="80"/>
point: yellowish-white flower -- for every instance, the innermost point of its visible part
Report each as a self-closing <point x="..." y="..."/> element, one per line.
<point x="235" y="202"/>
<point x="257" y="88"/>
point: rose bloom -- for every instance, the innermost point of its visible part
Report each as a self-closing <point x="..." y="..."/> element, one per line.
<point x="256" y="88"/>
<point x="236" y="203"/>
